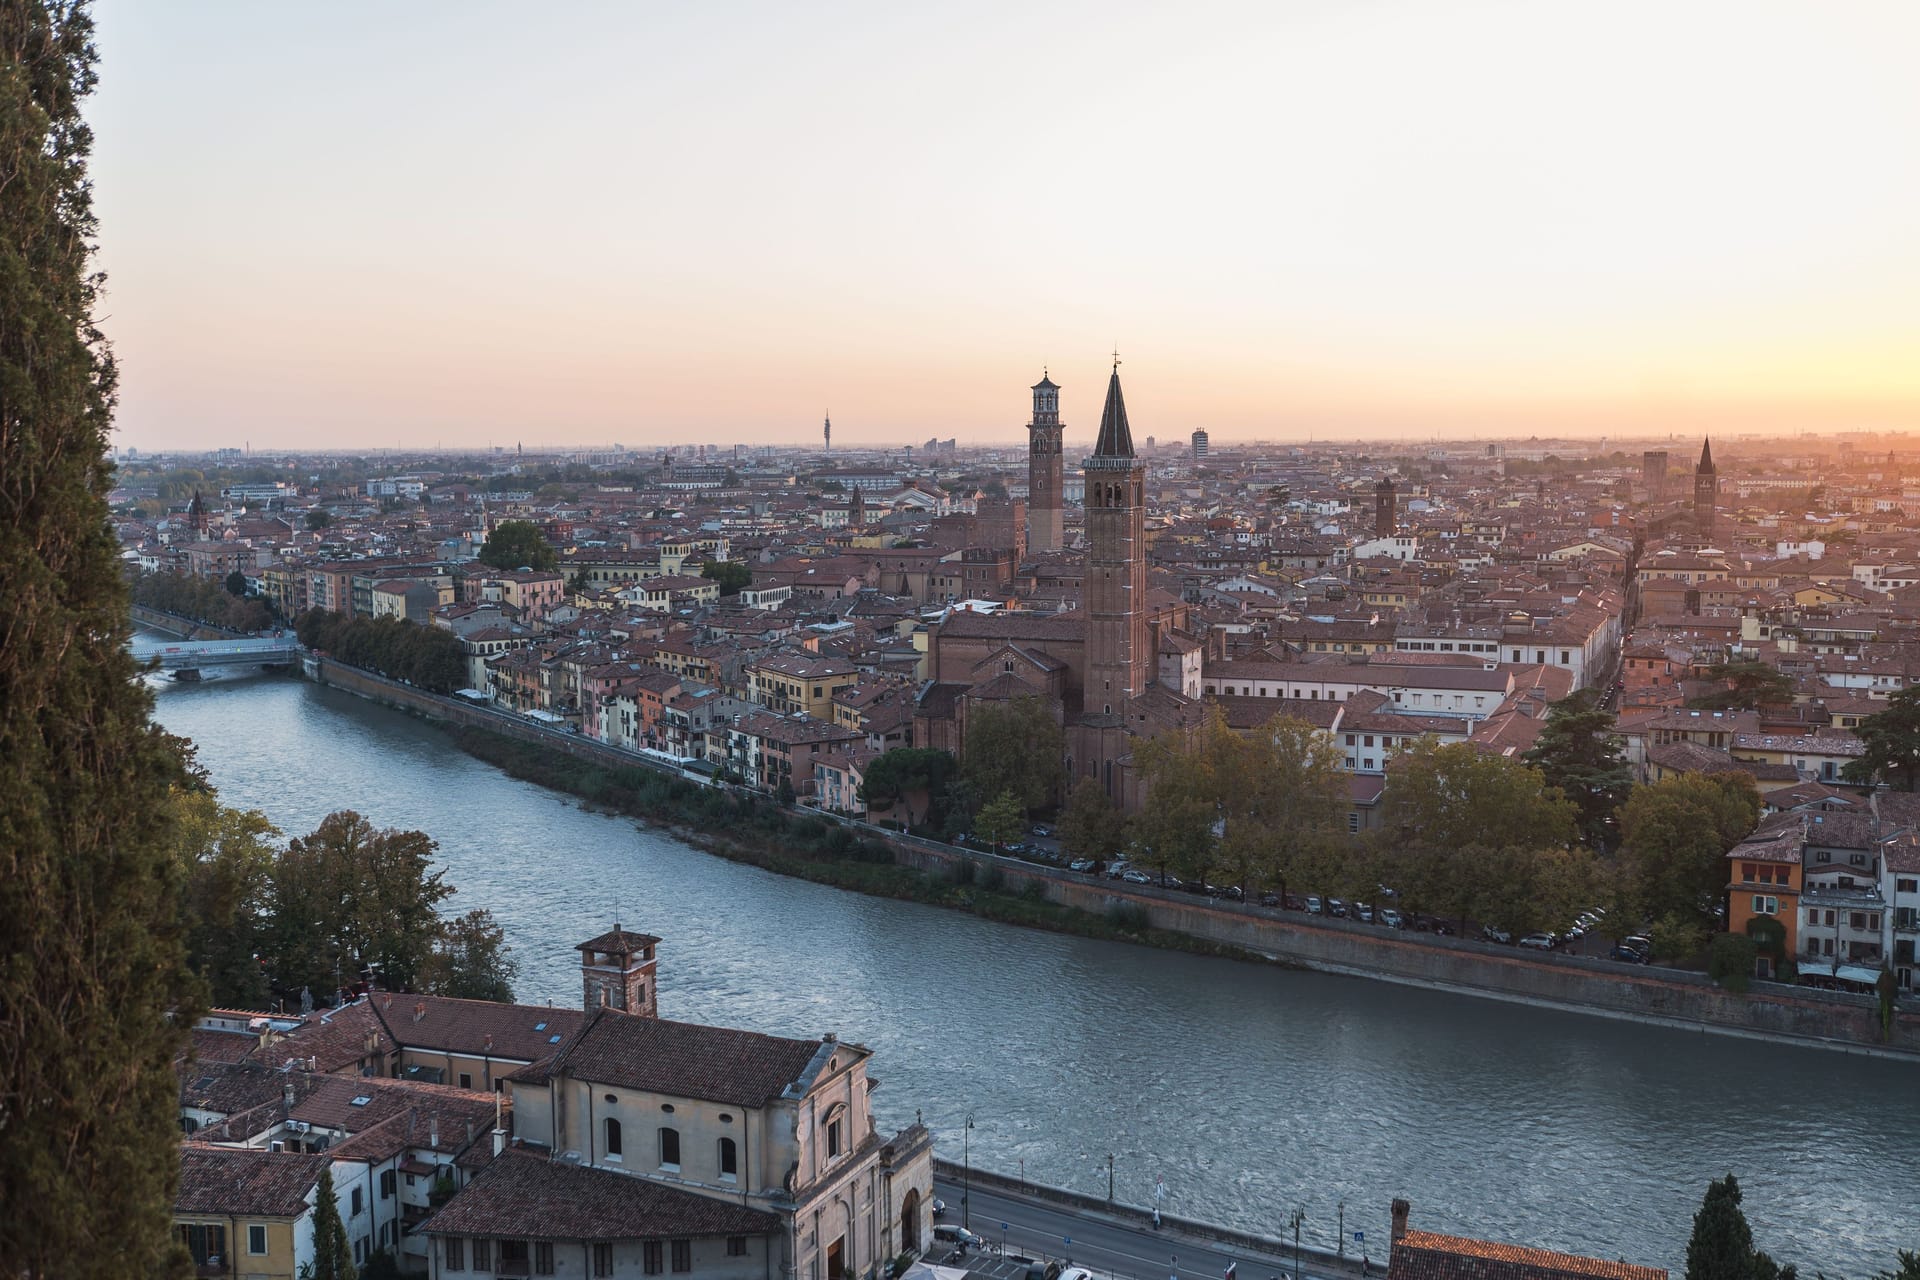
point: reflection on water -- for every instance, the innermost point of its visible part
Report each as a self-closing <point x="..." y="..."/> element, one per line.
<point x="1249" y="1089"/>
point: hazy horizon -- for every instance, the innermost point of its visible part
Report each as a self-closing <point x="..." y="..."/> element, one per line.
<point x="359" y="227"/>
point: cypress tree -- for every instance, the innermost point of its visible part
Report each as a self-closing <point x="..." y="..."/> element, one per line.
<point x="332" y="1254"/>
<point x="94" y="990"/>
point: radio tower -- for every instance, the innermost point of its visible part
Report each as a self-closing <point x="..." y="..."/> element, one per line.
<point x="827" y="431"/>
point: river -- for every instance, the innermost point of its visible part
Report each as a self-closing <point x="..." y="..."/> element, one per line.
<point x="1248" y="1089"/>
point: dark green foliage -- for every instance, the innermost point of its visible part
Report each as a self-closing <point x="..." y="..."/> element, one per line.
<point x="1721" y="1247"/>
<point x="1000" y="820"/>
<point x="919" y="776"/>
<point x="1092" y="825"/>
<point x="228" y="866"/>
<point x="202" y="600"/>
<point x="1579" y="753"/>
<point x="518" y="544"/>
<point x="1749" y="684"/>
<point x="1015" y="746"/>
<point x="1730" y="961"/>
<point x="350" y="897"/>
<point x="1892" y="739"/>
<point x="95" y="994"/>
<point x="428" y="657"/>
<point x="1770" y="940"/>
<point x="732" y="575"/>
<point x="471" y="960"/>
<point x="332" y="1254"/>
<point x="1908" y="1267"/>
<point x="318" y="519"/>
<point x="1675" y="835"/>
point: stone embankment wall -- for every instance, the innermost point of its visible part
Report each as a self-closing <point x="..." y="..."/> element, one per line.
<point x="185" y="628"/>
<point x="1273" y="1249"/>
<point x="1827" y="1019"/>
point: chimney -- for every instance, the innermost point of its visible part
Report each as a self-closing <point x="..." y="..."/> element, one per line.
<point x="1400" y="1208"/>
<point x="419" y="1010"/>
<point x="433" y="1132"/>
<point x="499" y="1141"/>
<point x="286" y="1095"/>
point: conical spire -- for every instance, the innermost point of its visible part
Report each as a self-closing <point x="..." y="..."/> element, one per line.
<point x="1116" y="440"/>
<point x="1706" y="454"/>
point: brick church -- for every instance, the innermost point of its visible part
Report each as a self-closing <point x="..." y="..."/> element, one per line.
<point x="1121" y="666"/>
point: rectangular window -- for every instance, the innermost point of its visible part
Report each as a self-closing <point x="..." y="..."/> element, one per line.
<point x="833" y="1139"/>
<point x="387" y="1180"/>
<point x="650" y="1258"/>
<point x="455" y="1251"/>
<point x="603" y="1259"/>
<point x="256" y="1239"/>
<point x="466" y="1080"/>
<point x="1353" y="822"/>
<point x="543" y="1257"/>
<point x="483" y="1255"/>
<point x="356" y="1202"/>
<point x="683" y="1255"/>
<point x="736" y="1246"/>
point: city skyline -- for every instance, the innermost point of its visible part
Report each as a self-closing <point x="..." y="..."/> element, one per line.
<point x="1396" y="222"/>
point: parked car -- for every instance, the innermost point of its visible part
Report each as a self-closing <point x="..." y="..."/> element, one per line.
<point x="1132" y="876"/>
<point x="1639" y="942"/>
<point x="1041" y="829"/>
<point x="1118" y="868"/>
<point x="1538" y="941"/>
<point x="1622" y="951"/>
<point x="1081" y="864"/>
<point x="1363" y="912"/>
<point x="1269" y="899"/>
<point x="1335" y="907"/>
<point x="1169" y="882"/>
<point x="939" y="1207"/>
<point x="1494" y="933"/>
<point x="959" y="1237"/>
<point x="1314" y="905"/>
<point x="1392" y="919"/>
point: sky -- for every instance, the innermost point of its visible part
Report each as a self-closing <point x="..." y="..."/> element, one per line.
<point x="360" y="225"/>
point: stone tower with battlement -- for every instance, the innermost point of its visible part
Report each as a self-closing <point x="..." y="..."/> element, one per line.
<point x="1046" y="524"/>
<point x="617" y="972"/>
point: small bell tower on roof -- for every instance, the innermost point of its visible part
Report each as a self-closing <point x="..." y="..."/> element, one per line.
<point x="617" y="972"/>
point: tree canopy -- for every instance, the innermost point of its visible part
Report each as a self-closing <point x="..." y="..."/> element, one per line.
<point x="1014" y="746"/>
<point x="471" y="959"/>
<point x="1747" y="684"/>
<point x="1001" y="820"/>
<point x="917" y="777"/>
<point x="1892" y="739"/>
<point x="1579" y="753"/>
<point x="518" y="544"/>
<point x="1675" y="835"/>
<point x="427" y="656"/>
<point x="1457" y="795"/>
<point x="1721" y="1247"/>
<point x="1092" y="826"/>
<point x="732" y="575"/>
<point x="95" y="992"/>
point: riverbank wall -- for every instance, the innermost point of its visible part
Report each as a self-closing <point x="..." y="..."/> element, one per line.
<point x="1272" y="1249"/>
<point x="1671" y="997"/>
<point x="183" y="628"/>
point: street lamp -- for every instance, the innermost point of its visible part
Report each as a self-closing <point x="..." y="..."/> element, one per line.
<point x="1109" y="1177"/>
<point x="1299" y="1216"/>
<point x="966" y="1187"/>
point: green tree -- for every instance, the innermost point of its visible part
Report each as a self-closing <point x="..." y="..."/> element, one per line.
<point x="1579" y="753"/>
<point x="1892" y="740"/>
<point x="1908" y="1267"/>
<point x="1014" y="746"/>
<point x="732" y="575"/>
<point x="1092" y="826"/>
<point x="471" y="960"/>
<point x="907" y="774"/>
<point x="1675" y="835"/>
<point x="236" y="584"/>
<point x="1000" y="820"/>
<point x="1721" y="1247"/>
<point x="318" y="519"/>
<point x="1285" y="797"/>
<point x="228" y="867"/>
<point x="1748" y="684"/>
<point x="332" y="1254"/>
<point x="1457" y="795"/>
<point x="518" y="544"/>
<point x="349" y="896"/>
<point x="1187" y="782"/>
<point x="95" y="992"/>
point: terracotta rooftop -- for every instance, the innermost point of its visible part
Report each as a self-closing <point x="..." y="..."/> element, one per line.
<point x="231" y="1182"/>
<point x="688" y="1060"/>
<point x="1422" y="1255"/>
<point x="531" y="1196"/>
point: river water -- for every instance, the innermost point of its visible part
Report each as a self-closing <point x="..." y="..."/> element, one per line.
<point x="1247" y="1089"/>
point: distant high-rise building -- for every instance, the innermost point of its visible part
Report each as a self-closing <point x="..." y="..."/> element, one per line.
<point x="827" y="432"/>
<point x="1045" y="479"/>
<point x="1384" y="516"/>
<point x="1706" y="488"/>
<point x="1199" y="446"/>
<point x="1653" y="471"/>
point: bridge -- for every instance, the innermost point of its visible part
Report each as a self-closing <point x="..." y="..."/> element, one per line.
<point x="278" y="650"/>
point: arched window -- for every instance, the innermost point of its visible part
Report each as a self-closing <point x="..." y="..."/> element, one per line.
<point x="669" y="1148"/>
<point x="729" y="1159"/>
<point x="613" y="1136"/>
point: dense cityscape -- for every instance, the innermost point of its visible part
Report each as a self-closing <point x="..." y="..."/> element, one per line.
<point x="1406" y="805"/>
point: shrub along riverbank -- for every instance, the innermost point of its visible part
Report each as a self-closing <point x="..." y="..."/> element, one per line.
<point x="743" y="827"/>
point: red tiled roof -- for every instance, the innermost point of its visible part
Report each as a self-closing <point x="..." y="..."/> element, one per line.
<point x="686" y="1059"/>
<point x="530" y="1196"/>
<point x="233" y="1182"/>
<point x="1422" y="1255"/>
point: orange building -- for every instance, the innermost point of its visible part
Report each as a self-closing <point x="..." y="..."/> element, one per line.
<point x="1764" y="880"/>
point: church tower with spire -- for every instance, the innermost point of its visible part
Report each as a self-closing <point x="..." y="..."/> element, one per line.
<point x="1045" y="519"/>
<point x="1119" y="657"/>
<point x="1706" y="490"/>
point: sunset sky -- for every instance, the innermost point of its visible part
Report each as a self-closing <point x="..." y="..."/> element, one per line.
<point x="362" y="225"/>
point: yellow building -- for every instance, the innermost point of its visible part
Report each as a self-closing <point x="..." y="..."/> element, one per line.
<point x="784" y="683"/>
<point x="247" y="1214"/>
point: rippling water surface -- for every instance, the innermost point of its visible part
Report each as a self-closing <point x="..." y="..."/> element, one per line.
<point x="1248" y="1089"/>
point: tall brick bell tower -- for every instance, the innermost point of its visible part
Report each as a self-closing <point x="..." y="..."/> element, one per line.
<point x="1120" y="651"/>
<point x="1045" y="482"/>
<point x="617" y="972"/>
